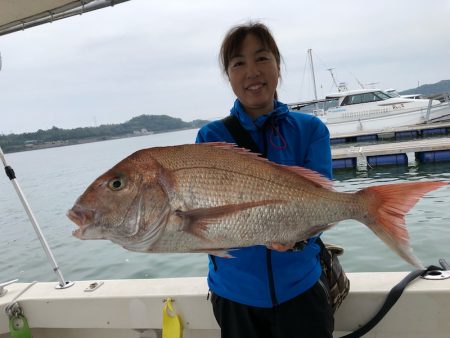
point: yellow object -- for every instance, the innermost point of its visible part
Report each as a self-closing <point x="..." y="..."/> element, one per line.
<point x="172" y="327"/>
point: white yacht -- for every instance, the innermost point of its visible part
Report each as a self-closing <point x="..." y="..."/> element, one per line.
<point x="372" y="110"/>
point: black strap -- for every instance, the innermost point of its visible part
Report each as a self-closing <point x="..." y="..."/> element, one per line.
<point x="241" y="136"/>
<point x="391" y="299"/>
<point x="243" y="139"/>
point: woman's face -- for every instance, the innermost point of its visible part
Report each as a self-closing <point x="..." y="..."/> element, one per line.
<point x="253" y="75"/>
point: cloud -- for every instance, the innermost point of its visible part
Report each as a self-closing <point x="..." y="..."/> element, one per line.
<point x="159" y="57"/>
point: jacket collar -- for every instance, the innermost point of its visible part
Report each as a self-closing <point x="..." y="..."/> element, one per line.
<point x="279" y="112"/>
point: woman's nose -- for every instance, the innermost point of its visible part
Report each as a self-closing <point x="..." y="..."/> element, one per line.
<point x="252" y="71"/>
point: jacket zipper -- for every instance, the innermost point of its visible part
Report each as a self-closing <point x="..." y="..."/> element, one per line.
<point x="273" y="295"/>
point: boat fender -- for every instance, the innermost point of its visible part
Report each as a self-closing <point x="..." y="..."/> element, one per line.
<point x="18" y="327"/>
<point x="172" y="326"/>
<point x="18" y="323"/>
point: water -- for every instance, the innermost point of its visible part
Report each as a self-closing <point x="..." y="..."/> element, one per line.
<point x="53" y="178"/>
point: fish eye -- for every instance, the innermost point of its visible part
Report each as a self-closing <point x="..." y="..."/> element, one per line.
<point x="116" y="183"/>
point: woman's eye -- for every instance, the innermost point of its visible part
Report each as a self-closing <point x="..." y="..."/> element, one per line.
<point x="262" y="58"/>
<point x="237" y="64"/>
<point x="116" y="184"/>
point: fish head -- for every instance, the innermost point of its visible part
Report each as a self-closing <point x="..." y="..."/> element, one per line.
<point x="123" y="205"/>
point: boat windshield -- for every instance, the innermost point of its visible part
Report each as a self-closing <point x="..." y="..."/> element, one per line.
<point x="392" y="93"/>
<point x="365" y="98"/>
<point x="324" y="105"/>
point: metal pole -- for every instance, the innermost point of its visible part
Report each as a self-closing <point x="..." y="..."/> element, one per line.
<point x="11" y="175"/>
<point x="312" y="72"/>
<point x="427" y="117"/>
<point x="332" y="76"/>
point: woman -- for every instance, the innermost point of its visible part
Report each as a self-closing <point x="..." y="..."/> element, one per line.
<point x="264" y="292"/>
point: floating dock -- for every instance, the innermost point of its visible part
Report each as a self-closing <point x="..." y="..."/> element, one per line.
<point x="429" y="150"/>
<point x="399" y="133"/>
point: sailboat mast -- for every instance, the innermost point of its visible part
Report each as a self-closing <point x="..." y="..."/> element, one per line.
<point x="312" y="72"/>
<point x="332" y="76"/>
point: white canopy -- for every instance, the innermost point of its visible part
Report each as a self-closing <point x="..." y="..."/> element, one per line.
<point x="20" y="14"/>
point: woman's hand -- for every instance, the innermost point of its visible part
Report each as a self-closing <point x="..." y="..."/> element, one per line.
<point x="281" y="246"/>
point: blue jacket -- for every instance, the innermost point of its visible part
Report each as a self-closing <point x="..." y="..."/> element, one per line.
<point x="258" y="276"/>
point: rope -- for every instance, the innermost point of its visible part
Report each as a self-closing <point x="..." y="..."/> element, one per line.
<point x="13" y="308"/>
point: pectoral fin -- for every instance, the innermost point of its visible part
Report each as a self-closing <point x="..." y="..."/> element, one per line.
<point x="196" y="221"/>
<point x="223" y="253"/>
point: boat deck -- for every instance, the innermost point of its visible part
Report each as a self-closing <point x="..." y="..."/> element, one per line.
<point x="133" y="308"/>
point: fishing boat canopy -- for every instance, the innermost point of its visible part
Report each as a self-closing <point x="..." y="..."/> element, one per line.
<point x="18" y="15"/>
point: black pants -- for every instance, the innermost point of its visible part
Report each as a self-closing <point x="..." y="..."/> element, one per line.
<point x="308" y="315"/>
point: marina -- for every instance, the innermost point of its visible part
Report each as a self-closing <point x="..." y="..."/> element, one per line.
<point x="406" y="145"/>
<point x="398" y="153"/>
<point x="398" y="133"/>
<point x="371" y="110"/>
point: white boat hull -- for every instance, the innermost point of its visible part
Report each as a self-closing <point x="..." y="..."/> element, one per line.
<point x="133" y="308"/>
<point x="345" y="123"/>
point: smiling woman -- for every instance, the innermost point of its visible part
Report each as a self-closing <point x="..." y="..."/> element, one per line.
<point x="251" y="60"/>
<point x="254" y="76"/>
<point x="273" y="281"/>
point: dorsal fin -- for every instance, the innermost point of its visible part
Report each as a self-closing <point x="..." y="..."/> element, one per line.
<point x="312" y="176"/>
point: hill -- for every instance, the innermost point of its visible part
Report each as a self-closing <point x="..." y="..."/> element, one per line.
<point x="429" y="89"/>
<point x="140" y="125"/>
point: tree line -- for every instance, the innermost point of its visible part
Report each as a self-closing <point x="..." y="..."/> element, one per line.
<point x="136" y="126"/>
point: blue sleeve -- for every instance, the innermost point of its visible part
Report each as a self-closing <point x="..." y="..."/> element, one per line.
<point x="318" y="155"/>
<point x="214" y="132"/>
<point x="200" y="137"/>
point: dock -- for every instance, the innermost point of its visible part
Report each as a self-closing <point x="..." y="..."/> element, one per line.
<point x="398" y="153"/>
<point x="399" y="133"/>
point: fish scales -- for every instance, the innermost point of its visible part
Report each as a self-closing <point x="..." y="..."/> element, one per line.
<point x="211" y="197"/>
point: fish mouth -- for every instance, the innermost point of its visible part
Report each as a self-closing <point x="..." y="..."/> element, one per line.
<point x="81" y="217"/>
<point x="78" y="233"/>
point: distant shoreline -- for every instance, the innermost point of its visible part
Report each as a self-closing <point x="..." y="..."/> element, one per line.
<point x="56" y="144"/>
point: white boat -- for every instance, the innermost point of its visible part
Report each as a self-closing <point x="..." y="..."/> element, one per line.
<point x="372" y="111"/>
<point x="364" y="111"/>
<point x="133" y="308"/>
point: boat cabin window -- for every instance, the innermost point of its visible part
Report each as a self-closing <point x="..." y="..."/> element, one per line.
<point x="331" y="104"/>
<point x="364" y="98"/>
<point x="383" y="96"/>
<point x="325" y="105"/>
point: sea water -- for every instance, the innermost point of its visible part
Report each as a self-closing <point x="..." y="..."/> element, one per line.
<point x="53" y="178"/>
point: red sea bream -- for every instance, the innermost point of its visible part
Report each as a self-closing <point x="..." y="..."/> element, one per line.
<point x="213" y="197"/>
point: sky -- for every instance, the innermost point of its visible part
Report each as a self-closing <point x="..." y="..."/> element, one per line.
<point x="161" y="57"/>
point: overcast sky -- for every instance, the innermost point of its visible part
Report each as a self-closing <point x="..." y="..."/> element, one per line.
<point x="161" y="57"/>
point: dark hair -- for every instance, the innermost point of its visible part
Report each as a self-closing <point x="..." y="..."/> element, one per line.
<point x="232" y="42"/>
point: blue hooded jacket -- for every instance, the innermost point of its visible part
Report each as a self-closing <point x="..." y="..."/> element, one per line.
<point x="258" y="276"/>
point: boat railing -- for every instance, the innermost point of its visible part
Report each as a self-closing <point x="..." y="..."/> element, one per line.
<point x="444" y="100"/>
<point x="442" y="97"/>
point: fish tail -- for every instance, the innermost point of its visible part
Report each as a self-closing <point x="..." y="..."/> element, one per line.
<point x="386" y="207"/>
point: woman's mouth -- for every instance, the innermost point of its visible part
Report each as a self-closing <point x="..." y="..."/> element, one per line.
<point x="255" y="87"/>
